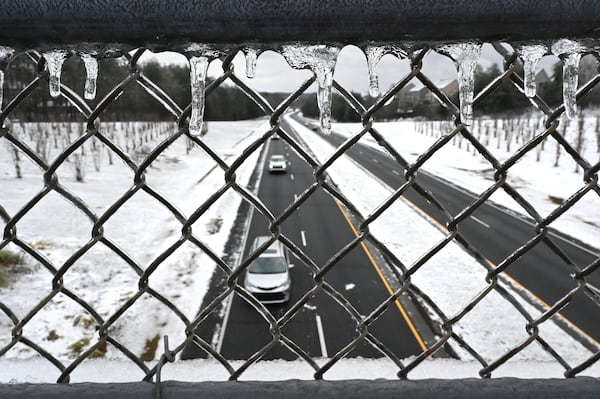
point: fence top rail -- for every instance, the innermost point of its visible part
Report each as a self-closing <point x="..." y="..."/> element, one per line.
<point x="156" y="22"/>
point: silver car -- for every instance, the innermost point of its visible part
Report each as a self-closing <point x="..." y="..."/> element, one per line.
<point x="268" y="276"/>
<point x="277" y="163"/>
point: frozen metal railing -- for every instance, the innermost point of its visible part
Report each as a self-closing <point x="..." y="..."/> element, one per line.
<point x="308" y="35"/>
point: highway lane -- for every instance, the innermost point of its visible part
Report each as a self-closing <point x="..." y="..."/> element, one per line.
<point x="322" y="327"/>
<point x="496" y="233"/>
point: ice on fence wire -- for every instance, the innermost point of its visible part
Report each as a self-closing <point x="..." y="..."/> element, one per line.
<point x="531" y="55"/>
<point x="55" y="60"/>
<point x="465" y="56"/>
<point x="6" y="54"/>
<point x="374" y="54"/>
<point x="91" y="69"/>
<point x="569" y="52"/>
<point x="321" y="60"/>
<point x="251" y="55"/>
<point x="198" y="70"/>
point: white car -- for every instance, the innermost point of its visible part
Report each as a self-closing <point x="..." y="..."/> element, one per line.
<point x="268" y="276"/>
<point x="277" y="163"/>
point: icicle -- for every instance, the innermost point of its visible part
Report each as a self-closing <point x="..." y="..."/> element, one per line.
<point x="91" y="68"/>
<point x="531" y="54"/>
<point x="6" y="54"/>
<point x="251" y="55"/>
<point x="321" y="60"/>
<point x="55" y="60"/>
<point x="374" y="54"/>
<point x="198" y="70"/>
<point x="465" y="56"/>
<point x="569" y="52"/>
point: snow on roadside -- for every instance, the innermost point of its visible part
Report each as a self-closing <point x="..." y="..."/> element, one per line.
<point x="451" y="278"/>
<point x="142" y="227"/>
<point x="540" y="183"/>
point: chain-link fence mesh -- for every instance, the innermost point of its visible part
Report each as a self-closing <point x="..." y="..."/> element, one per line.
<point x="97" y="283"/>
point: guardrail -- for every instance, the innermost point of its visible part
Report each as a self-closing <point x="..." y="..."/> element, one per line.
<point x="39" y="37"/>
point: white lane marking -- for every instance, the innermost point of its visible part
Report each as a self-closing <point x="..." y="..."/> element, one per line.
<point x="292" y="176"/>
<point x="375" y="160"/>
<point x="321" y="336"/>
<point x="295" y="197"/>
<point x="395" y="172"/>
<point x="303" y="237"/>
<point x="509" y="212"/>
<point x="224" y="325"/>
<point x="480" y="221"/>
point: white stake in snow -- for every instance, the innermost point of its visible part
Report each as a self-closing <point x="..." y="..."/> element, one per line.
<point x="6" y="54"/>
<point x="321" y="60"/>
<point x="465" y="56"/>
<point x="569" y="52"/>
<point x="251" y="55"/>
<point x="55" y="60"/>
<point x="91" y="69"/>
<point x="531" y="55"/>
<point x="374" y="55"/>
<point x="198" y="71"/>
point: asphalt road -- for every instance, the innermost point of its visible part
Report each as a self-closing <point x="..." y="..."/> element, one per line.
<point x="496" y="233"/>
<point x="322" y="327"/>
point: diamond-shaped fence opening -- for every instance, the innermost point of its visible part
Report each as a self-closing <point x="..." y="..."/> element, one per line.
<point x="450" y="220"/>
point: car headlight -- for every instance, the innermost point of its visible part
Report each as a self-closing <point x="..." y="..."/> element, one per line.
<point x="249" y="286"/>
<point x="285" y="286"/>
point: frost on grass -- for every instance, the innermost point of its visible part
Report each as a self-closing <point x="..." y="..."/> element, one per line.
<point x="321" y="60"/>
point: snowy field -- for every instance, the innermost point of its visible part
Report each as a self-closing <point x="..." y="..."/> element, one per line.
<point x="144" y="228"/>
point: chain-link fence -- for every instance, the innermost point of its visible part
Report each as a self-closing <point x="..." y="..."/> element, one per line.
<point x="454" y="224"/>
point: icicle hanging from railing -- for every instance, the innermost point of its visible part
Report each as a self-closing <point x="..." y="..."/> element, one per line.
<point x="465" y="56"/>
<point x="199" y="57"/>
<point x="531" y="55"/>
<point x="374" y="55"/>
<point x="251" y="55"/>
<point x="91" y="68"/>
<point x="6" y="53"/>
<point x="569" y="52"/>
<point x="321" y="60"/>
<point x="55" y="60"/>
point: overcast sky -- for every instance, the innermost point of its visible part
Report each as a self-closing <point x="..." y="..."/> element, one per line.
<point x="273" y="74"/>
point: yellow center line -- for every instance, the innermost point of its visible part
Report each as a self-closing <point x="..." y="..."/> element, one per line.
<point x="405" y="315"/>
<point x="509" y="278"/>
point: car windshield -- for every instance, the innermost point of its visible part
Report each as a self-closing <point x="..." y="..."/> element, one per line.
<point x="277" y="158"/>
<point x="264" y="265"/>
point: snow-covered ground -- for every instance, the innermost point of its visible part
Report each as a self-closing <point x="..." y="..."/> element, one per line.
<point x="144" y="228"/>
<point x="538" y="180"/>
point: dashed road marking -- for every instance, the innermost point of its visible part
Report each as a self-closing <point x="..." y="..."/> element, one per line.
<point x="481" y="222"/>
<point x="321" y="336"/>
<point x="303" y="237"/>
